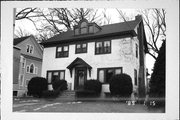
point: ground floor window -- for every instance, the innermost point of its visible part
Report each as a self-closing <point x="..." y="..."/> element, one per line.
<point x="52" y="75"/>
<point x="15" y="93"/>
<point x="135" y="76"/>
<point x="27" y="81"/>
<point x="21" y="79"/>
<point x="105" y="74"/>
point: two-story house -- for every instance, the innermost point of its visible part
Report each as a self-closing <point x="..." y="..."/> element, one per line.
<point x="97" y="52"/>
<point x="27" y="63"/>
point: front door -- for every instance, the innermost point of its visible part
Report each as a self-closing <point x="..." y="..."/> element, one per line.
<point x="80" y="77"/>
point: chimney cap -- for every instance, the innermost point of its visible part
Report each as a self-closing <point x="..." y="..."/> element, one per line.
<point x="138" y="17"/>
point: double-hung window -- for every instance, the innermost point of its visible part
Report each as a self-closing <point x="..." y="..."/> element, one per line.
<point x="136" y="51"/>
<point x="62" y="51"/>
<point x="135" y="77"/>
<point x="105" y="74"/>
<point x="56" y="74"/>
<point x="103" y="47"/>
<point x="29" y="49"/>
<point x="84" y="29"/>
<point x="23" y="62"/>
<point x="81" y="48"/>
<point x="21" y="79"/>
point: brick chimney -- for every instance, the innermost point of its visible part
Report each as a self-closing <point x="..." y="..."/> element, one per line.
<point x="138" y="17"/>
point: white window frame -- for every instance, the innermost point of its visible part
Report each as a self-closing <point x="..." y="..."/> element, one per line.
<point x="33" y="68"/>
<point x="26" y="83"/>
<point x="30" y="46"/>
<point x="36" y="70"/>
<point x="27" y="69"/>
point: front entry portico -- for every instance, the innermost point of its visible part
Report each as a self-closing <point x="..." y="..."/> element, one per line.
<point x="80" y="75"/>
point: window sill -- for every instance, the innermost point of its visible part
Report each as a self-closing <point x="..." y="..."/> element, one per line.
<point x="105" y="83"/>
<point x="63" y="57"/>
<point x="102" y="53"/>
<point x="80" y="52"/>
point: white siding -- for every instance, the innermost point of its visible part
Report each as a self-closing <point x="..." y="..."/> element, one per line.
<point x="122" y="55"/>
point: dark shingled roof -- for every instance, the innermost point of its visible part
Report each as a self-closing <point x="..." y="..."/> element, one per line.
<point x="18" y="40"/>
<point x="107" y="30"/>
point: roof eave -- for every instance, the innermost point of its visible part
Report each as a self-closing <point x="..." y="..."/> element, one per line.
<point x="131" y="32"/>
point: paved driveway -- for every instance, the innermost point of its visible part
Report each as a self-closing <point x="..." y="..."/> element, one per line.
<point x="40" y="105"/>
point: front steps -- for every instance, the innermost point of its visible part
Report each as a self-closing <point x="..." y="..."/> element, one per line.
<point x="67" y="95"/>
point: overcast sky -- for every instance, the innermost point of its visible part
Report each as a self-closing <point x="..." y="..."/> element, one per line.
<point x="28" y="26"/>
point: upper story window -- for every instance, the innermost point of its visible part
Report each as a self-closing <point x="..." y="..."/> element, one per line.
<point x="29" y="49"/>
<point x="81" y="48"/>
<point x="23" y="62"/>
<point x="103" y="47"/>
<point x="62" y="51"/>
<point x="136" y="51"/>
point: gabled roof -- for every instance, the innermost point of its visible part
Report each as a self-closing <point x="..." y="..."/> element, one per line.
<point x="19" y="40"/>
<point x="106" y="30"/>
<point x="78" y="61"/>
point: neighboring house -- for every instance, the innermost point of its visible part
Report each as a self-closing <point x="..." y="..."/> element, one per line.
<point x="97" y="52"/>
<point x="30" y="63"/>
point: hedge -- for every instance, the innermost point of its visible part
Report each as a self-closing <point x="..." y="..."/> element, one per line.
<point x="121" y="85"/>
<point x="36" y="86"/>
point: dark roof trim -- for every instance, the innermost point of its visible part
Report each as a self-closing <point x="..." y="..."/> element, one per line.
<point x="86" y="37"/>
<point x="78" y="61"/>
<point x="15" y="47"/>
<point x="32" y="57"/>
<point x="19" y="40"/>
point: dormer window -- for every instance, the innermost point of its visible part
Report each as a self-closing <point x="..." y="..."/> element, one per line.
<point x="76" y="31"/>
<point x="91" y="29"/>
<point x="84" y="27"/>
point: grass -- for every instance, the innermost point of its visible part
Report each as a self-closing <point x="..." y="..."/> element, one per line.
<point x="84" y="106"/>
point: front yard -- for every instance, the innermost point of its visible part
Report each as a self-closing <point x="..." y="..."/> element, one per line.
<point x="41" y="105"/>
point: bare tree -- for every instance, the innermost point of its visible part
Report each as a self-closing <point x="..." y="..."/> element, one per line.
<point x="155" y="22"/>
<point x="106" y="19"/>
<point x="51" y="21"/>
<point x="25" y="13"/>
<point x="21" y="33"/>
<point x="58" y="20"/>
<point x="123" y="17"/>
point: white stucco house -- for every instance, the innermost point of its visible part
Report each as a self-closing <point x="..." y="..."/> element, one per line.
<point x="97" y="52"/>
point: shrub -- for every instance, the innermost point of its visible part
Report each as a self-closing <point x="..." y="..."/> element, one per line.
<point x="85" y="93"/>
<point x="61" y="84"/>
<point x="50" y="94"/>
<point x="36" y="86"/>
<point x="93" y="85"/>
<point x="121" y="85"/>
